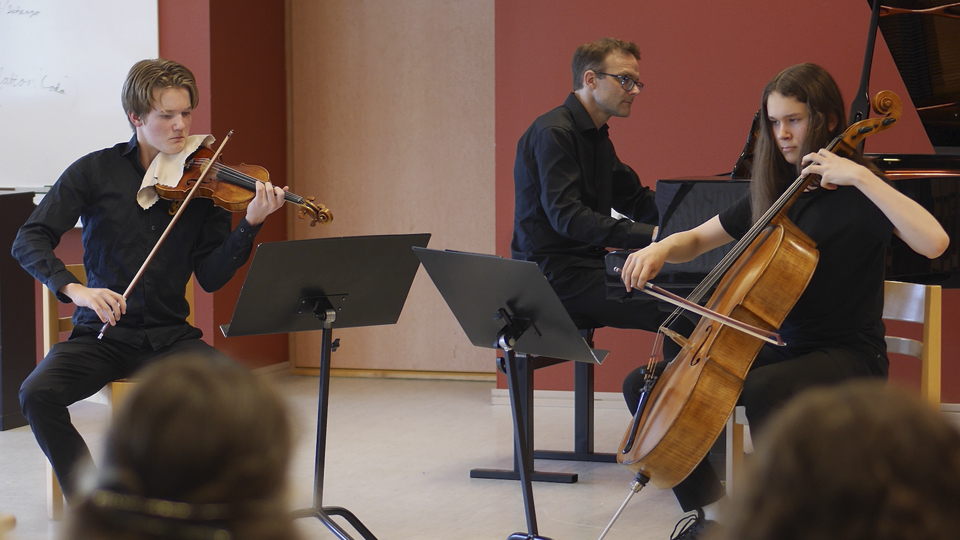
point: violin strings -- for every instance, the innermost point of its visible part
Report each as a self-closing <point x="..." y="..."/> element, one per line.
<point x="244" y="180"/>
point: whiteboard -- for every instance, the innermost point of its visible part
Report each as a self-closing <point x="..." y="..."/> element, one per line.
<point x="62" y="67"/>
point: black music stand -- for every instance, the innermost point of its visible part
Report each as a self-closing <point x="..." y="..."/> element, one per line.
<point x="318" y="285"/>
<point x="506" y="304"/>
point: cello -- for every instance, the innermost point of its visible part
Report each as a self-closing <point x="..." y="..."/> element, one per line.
<point x="683" y="410"/>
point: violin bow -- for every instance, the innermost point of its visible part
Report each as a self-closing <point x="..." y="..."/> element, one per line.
<point x="166" y="232"/>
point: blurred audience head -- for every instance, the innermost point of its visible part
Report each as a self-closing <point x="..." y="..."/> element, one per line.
<point x="198" y="451"/>
<point x="860" y="461"/>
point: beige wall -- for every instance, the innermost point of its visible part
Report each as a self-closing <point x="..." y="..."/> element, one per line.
<point x="392" y="128"/>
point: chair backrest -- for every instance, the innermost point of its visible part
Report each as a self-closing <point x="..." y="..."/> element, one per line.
<point x="54" y="324"/>
<point x="916" y="303"/>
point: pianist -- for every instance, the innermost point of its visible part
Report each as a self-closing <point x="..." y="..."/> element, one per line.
<point x="568" y="178"/>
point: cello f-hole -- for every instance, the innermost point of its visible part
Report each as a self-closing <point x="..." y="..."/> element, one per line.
<point x="695" y="358"/>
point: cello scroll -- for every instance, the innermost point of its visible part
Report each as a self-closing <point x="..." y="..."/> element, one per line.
<point x="885" y="103"/>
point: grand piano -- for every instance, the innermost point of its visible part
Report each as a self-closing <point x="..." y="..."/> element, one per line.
<point x="924" y="39"/>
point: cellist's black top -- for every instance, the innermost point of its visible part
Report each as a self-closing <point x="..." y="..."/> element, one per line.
<point x="843" y="305"/>
<point x="100" y="189"/>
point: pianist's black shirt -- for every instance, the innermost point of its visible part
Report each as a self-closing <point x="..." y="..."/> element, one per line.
<point x="567" y="178"/>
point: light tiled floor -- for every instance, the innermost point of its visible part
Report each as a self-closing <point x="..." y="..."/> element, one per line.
<point x="399" y="455"/>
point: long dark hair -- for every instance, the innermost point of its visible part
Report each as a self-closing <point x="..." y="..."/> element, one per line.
<point x="199" y="450"/>
<point x="811" y="85"/>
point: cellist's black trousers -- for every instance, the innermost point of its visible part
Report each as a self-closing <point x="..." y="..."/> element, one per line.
<point x="774" y="378"/>
<point x="73" y="370"/>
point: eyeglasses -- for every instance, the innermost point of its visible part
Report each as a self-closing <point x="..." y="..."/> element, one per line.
<point x="625" y="82"/>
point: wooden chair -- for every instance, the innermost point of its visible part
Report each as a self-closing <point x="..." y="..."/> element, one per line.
<point x="7" y="523"/>
<point x="112" y="394"/>
<point x="909" y="302"/>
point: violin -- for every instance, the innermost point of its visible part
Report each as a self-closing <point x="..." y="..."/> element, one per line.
<point x="229" y="188"/>
<point x="683" y="410"/>
<point x="233" y="187"/>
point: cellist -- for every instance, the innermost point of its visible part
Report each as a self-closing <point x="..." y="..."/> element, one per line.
<point x="111" y="192"/>
<point x="834" y="331"/>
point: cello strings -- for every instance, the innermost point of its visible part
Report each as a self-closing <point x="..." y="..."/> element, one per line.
<point x="741" y="246"/>
<point x="792" y="191"/>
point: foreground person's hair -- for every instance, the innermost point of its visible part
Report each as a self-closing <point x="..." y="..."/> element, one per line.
<point x="199" y="451"/>
<point x="861" y="461"/>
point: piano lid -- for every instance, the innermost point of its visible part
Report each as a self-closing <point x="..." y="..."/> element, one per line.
<point x="924" y="39"/>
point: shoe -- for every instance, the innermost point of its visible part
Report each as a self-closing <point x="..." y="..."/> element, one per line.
<point x="692" y="527"/>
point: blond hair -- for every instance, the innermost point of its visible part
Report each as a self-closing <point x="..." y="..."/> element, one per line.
<point x="146" y="76"/>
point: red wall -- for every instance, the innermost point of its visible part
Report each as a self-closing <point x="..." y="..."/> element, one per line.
<point x="704" y="67"/>
<point x="236" y="50"/>
<point x="249" y="83"/>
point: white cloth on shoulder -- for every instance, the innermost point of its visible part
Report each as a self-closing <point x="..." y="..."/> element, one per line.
<point x="167" y="169"/>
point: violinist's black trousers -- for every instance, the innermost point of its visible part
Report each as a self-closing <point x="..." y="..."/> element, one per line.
<point x="73" y="370"/>
<point x="775" y="376"/>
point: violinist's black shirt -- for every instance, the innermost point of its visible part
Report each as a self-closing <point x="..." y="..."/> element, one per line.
<point x="567" y="178"/>
<point x="100" y="190"/>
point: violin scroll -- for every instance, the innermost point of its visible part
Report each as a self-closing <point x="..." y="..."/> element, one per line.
<point x="316" y="212"/>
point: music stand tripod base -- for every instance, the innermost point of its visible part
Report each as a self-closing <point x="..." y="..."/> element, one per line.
<point x="322" y="289"/>
<point x="508" y="305"/>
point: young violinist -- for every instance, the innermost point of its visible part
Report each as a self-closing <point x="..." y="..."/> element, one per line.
<point x="111" y="192"/>
<point x="835" y="331"/>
